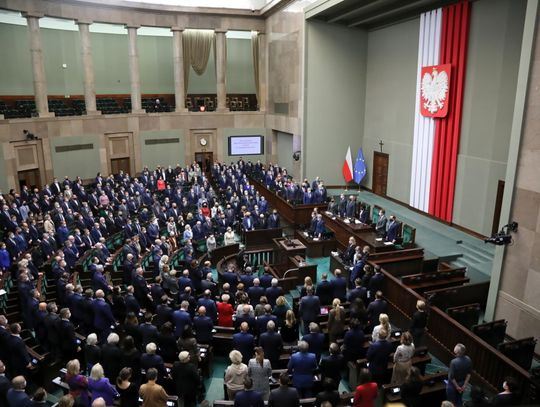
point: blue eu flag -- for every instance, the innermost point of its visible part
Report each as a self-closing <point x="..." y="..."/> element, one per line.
<point x="359" y="167"/>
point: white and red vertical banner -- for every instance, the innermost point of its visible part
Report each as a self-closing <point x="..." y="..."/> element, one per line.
<point x="442" y="59"/>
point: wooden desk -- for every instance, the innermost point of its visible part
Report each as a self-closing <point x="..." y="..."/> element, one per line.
<point x="287" y="248"/>
<point x="432" y="394"/>
<point x="260" y="239"/>
<point x="367" y="237"/>
<point x="315" y="248"/>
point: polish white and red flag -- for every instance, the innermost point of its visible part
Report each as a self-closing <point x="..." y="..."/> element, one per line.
<point x="347" y="169"/>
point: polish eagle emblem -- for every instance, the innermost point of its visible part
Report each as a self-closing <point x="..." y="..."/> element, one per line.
<point x="434" y="90"/>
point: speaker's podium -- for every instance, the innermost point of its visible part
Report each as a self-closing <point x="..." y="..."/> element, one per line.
<point x="291" y="265"/>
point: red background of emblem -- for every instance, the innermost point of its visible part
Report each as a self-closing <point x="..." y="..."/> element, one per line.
<point x="444" y="110"/>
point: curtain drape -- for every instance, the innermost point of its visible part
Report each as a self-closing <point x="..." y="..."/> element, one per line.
<point x="197" y="45"/>
<point x="255" y="52"/>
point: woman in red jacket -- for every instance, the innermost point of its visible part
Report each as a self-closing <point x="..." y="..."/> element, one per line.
<point x="225" y="311"/>
<point x="366" y="392"/>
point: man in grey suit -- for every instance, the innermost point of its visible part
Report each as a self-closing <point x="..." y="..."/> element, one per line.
<point x="380" y="228"/>
<point x="284" y="396"/>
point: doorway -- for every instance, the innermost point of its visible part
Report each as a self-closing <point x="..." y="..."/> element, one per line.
<point x="380" y="173"/>
<point x="118" y="164"/>
<point x="205" y="160"/>
<point x="30" y="178"/>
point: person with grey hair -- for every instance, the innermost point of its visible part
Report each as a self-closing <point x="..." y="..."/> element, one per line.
<point x="272" y="343"/>
<point x="302" y="366"/>
<point x="92" y="352"/>
<point x="459" y="375"/>
<point x="273" y="292"/>
<point x="235" y="374"/>
<point x="111" y="353"/>
<point x="186" y="379"/>
<point x="152" y="360"/>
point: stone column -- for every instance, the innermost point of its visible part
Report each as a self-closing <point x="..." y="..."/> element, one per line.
<point x="38" y="68"/>
<point x="178" y="62"/>
<point x="135" y="80"/>
<point x="263" y="92"/>
<point x="88" y="67"/>
<point x="221" y="70"/>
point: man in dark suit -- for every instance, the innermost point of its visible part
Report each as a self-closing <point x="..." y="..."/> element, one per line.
<point x="111" y="354"/>
<point x="273" y="220"/>
<point x="351" y="207"/>
<point x="16" y="396"/>
<point x="246" y="317"/>
<point x="315" y="340"/>
<point x="325" y="290"/>
<point x="209" y="304"/>
<point x="339" y="286"/>
<point x="203" y="327"/>
<point x="377" y="356"/>
<point x="380" y="227"/>
<point x="68" y="340"/>
<point x="247" y="222"/>
<point x="284" y="396"/>
<point x="248" y="397"/>
<point x="20" y="360"/>
<point x="376" y="308"/>
<point x="302" y="366"/>
<point x="392" y="229"/>
<point x="309" y="308"/>
<point x="332" y="365"/>
<point x="364" y="215"/>
<point x="148" y="331"/>
<point x="151" y="360"/>
<point x="103" y="317"/>
<point x="376" y="281"/>
<point x="255" y="292"/>
<point x="99" y="282"/>
<point x="357" y="292"/>
<point x="181" y="318"/>
<point x="273" y="292"/>
<point x="272" y="343"/>
<point x="51" y="325"/>
<point x="244" y="342"/>
<point x="262" y="320"/>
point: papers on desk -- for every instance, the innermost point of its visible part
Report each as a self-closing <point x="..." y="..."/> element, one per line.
<point x="378" y="239"/>
<point x="333" y="218"/>
<point x="329" y="213"/>
<point x="335" y="253"/>
<point x="388" y="243"/>
<point x="346" y="221"/>
<point x="306" y="234"/>
<point x="315" y="239"/>
<point x="357" y="221"/>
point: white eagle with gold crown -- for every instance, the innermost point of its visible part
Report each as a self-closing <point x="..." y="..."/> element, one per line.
<point x="434" y="89"/>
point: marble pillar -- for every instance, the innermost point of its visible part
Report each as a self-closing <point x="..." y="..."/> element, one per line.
<point x="263" y="93"/>
<point x="88" y="68"/>
<point x="38" y="68"/>
<point x="134" y="77"/>
<point x="221" y="69"/>
<point x="178" y="63"/>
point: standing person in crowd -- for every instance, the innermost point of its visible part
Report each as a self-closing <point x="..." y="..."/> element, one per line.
<point x="78" y="384"/>
<point x="153" y="394"/>
<point x="336" y="321"/>
<point x="302" y="366"/>
<point x="100" y="386"/>
<point x="260" y="369"/>
<point x="235" y="374"/>
<point x="366" y="392"/>
<point x="284" y="396"/>
<point x="186" y="379"/>
<point x="377" y="356"/>
<point x="459" y="374"/>
<point x="403" y="359"/>
<point x="248" y="397"/>
<point x="129" y="391"/>
<point x="418" y="323"/>
<point x="289" y="329"/>
<point x="384" y="323"/>
<point x="411" y="388"/>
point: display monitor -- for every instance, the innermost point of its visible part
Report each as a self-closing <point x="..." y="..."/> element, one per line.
<point x="246" y="145"/>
